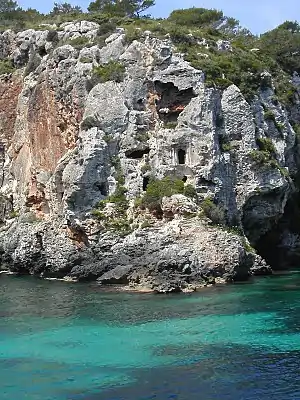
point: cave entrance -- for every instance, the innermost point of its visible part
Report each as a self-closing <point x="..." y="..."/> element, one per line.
<point x="172" y="101"/>
<point x="137" y="154"/>
<point x="184" y="179"/>
<point x="102" y="188"/>
<point x="146" y="181"/>
<point x="181" y="156"/>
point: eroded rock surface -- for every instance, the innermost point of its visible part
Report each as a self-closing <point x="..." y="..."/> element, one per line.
<point x="66" y="142"/>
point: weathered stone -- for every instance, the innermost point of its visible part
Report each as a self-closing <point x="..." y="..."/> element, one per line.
<point x="68" y="143"/>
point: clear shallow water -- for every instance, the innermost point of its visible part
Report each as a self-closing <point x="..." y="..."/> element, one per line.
<point x="67" y="342"/>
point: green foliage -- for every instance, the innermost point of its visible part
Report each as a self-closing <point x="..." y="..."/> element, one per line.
<point x="266" y="155"/>
<point x="79" y="42"/>
<point x="270" y="116"/>
<point x="133" y="33"/>
<point x="13" y="214"/>
<point x="146" y="224"/>
<point x="141" y="136"/>
<point x="266" y="145"/>
<point x="107" y="138"/>
<point x="65" y="8"/>
<point x="296" y="127"/>
<point x="226" y="147"/>
<point x="195" y="16"/>
<point x="6" y="67"/>
<point x="222" y="69"/>
<point x="112" y="71"/>
<point x="261" y="157"/>
<point x="225" y="144"/>
<point x="283" y="44"/>
<point x="85" y="60"/>
<point x="146" y="168"/>
<point x="170" y="125"/>
<point x="247" y="246"/>
<point x="128" y="8"/>
<point x="8" y="6"/>
<point x="214" y="212"/>
<point x="190" y="191"/>
<point x="106" y="27"/>
<point x="157" y="189"/>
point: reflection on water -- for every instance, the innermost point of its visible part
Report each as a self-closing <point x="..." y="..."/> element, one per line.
<point x="73" y="341"/>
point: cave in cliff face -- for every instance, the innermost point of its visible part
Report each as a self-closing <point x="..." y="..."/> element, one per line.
<point x="171" y="101"/>
<point x="275" y="239"/>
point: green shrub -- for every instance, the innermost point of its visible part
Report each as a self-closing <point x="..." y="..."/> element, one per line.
<point x="141" y="136"/>
<point x="6" y="67"/>
<point x="266" y="145"/>
<point x="214" y="212"/>
<point x="85" y="60"/>
<point x="52" y="36"/>
<point x="107" y="138"/>
<point x="13" y="214"/>
<point x="170" y="125"/>
<point x="190" y="191"/>
<point x="157" y="189"/>
<point x="226" y="147"/>
<point x="270" y="116"/>
<point x="195" y="16"/>
<point x="112" y="71"/>
<point x="296" y="128"/>
<point x="79" y="42"/>
<point x="146" y="168"/>
<point x="106" y="28"/>
<point x="260" y="157"/>
<point x="146" y="224"/>
<point x="133" y="33"/>
<point x="264" y="158"/>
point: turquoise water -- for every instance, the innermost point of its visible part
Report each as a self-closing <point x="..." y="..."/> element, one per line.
<point x="68" y="341"/>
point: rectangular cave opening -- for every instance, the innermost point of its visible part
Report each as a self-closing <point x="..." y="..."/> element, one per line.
<point x="146" y="180"/>
<point x="171" y="101"/>
<point x="181" y="154"/>
<point x="137" y="154"/>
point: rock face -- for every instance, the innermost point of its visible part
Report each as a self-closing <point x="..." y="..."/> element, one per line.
<point x="67" y="141"/>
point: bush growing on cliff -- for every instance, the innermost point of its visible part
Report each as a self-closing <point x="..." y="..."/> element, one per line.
<point x="214" y="212"/>
<point x="112" y="71"/>
<point x="7" y="6"/>
<point x="65" y="8"/>
<point x="79" y="42"/>
<point x="264" y="158"/>
<point x="190" y="191"/>
<point x="266" y="144"/>
<point x="130" y="8"/>
<point x="195" y="16"/>
<point x="6" y="67"/>
<point x="157" y="189"/>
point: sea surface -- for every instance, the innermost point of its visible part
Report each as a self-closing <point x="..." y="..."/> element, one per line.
<point x="68" y="341"/>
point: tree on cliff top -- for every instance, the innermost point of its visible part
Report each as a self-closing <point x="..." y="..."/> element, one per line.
<point x="130" y="8"/>
<point x="7" y="6"/>
<point x="65" y="8"/>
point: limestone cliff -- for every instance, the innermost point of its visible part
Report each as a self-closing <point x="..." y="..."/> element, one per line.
<point x="70" y="138"/>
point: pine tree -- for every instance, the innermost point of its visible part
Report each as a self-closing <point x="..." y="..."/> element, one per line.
<point x="7" y="6"/>
<point x="130" y="8"/>
<point x="65" y="8"/>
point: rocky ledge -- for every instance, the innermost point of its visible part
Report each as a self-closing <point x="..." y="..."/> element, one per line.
<point x="170" y="256"/>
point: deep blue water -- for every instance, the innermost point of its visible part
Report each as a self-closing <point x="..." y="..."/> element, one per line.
<point x="67" y="341"/>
